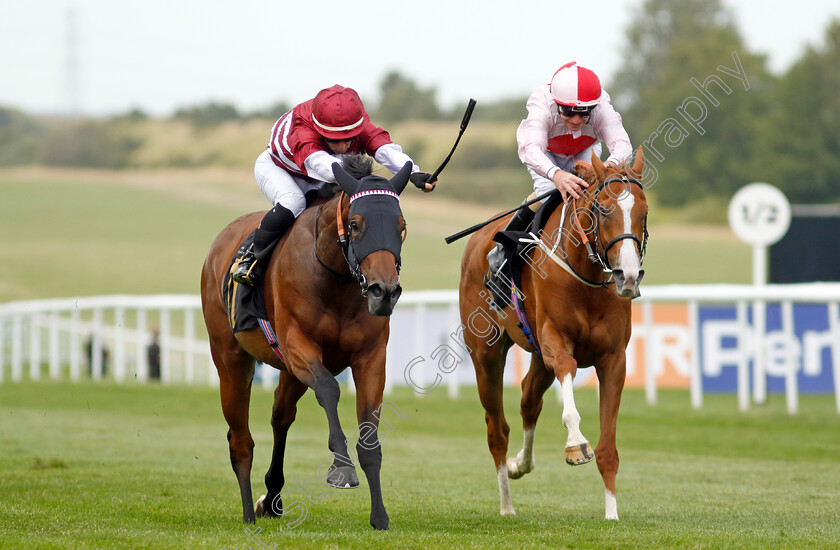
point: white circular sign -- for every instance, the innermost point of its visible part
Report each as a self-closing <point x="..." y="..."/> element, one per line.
<point x="759" y="214"/>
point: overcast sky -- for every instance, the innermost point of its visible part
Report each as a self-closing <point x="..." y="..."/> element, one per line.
<point x="158" y="55"/>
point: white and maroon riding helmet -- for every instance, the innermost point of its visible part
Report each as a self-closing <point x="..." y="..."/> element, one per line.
<point x="576" y="87"/>
<point x="338" y="113"/>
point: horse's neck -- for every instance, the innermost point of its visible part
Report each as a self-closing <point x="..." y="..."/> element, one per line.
<point x="327" y="246"/>
<point x="571" y="239"/>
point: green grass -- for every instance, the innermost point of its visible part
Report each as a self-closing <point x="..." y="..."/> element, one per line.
<point x="103" y="466"/>
<point x="71" y="233"/>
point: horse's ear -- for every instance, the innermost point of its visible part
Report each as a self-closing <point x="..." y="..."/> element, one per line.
<point x="600" y="169"/>
<point x="347" y="182"/>
<point x="400" y="179"/>
<point x="585" y="172"/>
<point x="638" y="164"/>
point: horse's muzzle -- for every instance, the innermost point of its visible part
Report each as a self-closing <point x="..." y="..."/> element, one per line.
<point x="627" y="287"/>
<point x="382" y="298"/>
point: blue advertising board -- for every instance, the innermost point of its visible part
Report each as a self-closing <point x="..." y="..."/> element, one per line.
<point x="808" y="352"/>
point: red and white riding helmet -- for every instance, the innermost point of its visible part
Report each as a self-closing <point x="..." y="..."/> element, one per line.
<point x="575" y="86"/>
<point x="338" y="112"/>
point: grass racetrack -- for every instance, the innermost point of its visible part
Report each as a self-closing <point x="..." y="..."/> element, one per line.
<point x="104" y="466"/>
<point x="146" y="466"/>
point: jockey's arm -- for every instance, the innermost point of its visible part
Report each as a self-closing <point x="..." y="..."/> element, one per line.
<point x="318" y="165"/>
<point x="392" y="157"/>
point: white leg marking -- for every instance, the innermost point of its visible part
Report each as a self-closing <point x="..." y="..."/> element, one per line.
<point x="610" y="505"/>
<point x="524" y="461"/>
<point x="505" y="505"/>
<point x="571" y="416"/>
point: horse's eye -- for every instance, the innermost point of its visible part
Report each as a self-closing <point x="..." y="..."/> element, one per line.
<point x="356" y="225"/>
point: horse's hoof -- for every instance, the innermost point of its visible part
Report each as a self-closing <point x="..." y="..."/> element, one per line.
<point x="259" y="507"/>
<point x="514" y="471"/>
<point x="343" y="477"/>
<point x="579" y="454"/>
<point x="264" y="510"/>
<point x="379" y="523"/>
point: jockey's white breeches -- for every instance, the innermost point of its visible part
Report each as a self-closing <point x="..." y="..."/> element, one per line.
<point x="279" y="186"/>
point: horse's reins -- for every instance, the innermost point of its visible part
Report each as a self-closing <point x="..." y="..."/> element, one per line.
<point x="595" y="255"/>
<point x="341" y="239"/>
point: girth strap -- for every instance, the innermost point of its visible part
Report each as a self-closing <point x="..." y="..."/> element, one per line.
<point x="271" y="337"/>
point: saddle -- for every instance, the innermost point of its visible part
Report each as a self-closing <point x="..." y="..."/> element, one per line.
<point x="502" y="284"/>
<point x="245" y="305"/>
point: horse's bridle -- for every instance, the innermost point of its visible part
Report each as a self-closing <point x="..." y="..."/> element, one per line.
<point x="348" y="276"/>
<point x="347" y="249"/>
<point x="596" y="256"/>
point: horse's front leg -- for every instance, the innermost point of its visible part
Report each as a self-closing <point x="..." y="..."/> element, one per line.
<point x="578" y="450"/>
<point x="534" y="385"/>
<point x="369" y="377"/>
<point x="304" y="362"/>
<point x="611" y="375"/>
<point x="288" y="393"/>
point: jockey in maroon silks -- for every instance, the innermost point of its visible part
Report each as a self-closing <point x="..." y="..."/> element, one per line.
<point x="304" y="144"/>
<point x="567" y="120"/>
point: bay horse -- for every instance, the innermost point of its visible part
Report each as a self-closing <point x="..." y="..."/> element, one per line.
<point x="577" y="319"/>
<point x="324" y="322"/>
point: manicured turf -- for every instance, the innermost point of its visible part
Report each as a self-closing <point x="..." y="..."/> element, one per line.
<point x="103" y="466"/>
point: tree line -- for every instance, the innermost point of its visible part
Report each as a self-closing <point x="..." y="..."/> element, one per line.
<point x="708" y="112"/>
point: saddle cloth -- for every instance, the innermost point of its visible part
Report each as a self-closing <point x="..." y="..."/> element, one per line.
<point x="245" y="305"/>
<point x="502" y="284"/>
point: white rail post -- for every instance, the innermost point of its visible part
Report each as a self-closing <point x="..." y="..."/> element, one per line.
<point x="189" y="344"/>
<point x="75" y="348"/>
<point x="119" y="344"/>
<point x="55" y="353"/>
<point x="142" y="336"/>
<point x="695" y="374"/>
<point x="419" y="334"/>
<point x="743" y="357"/>
<point x="165" y="344"/>
<point x="834" y="328"/>
<point x="650" y="368"/>
<point x="96" y="345"/>
<point x="2" y="347"/>
<point x="792" y="364"/>
<point x="454" y="385"/>
<point x="17" y="347"/>
<point x="759" y="352"/>
<point x="35" y="346"/>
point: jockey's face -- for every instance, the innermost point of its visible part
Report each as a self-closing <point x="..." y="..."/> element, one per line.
<point x="574" y="123"/>
<point x="339" y="146"/>
<point x="574" y="117"/>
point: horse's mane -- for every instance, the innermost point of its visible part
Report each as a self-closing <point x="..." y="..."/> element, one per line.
<point x="586" y="172"/>
<point x="358" y="165"/>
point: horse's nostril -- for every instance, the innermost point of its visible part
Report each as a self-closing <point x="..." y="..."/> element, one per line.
<point x="375" y="290"/>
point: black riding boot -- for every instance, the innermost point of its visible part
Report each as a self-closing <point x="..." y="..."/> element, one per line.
<point x="273" y="225"/>
<point x="519" y="222"/>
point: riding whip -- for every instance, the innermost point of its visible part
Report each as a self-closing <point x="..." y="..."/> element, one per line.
<point x="464" y="122"/>
<point x="452" y="238"/>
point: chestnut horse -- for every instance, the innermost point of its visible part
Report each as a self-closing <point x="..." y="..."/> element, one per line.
<point x="323" y="321"/>
<point x="577" y="319"/>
